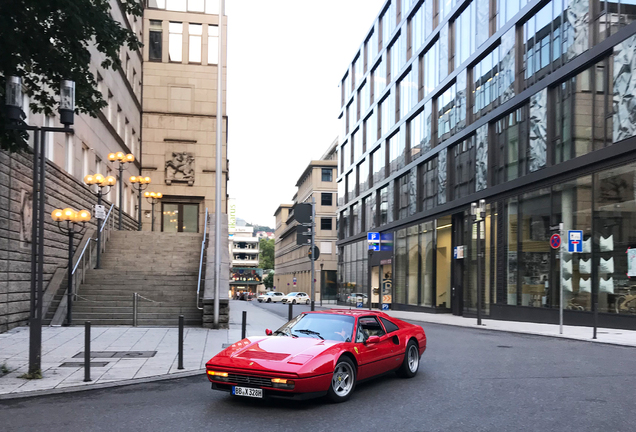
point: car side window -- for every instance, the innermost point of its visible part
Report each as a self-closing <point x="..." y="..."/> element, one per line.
<point x="368" y="326"/>
<point x="389" y="326"/>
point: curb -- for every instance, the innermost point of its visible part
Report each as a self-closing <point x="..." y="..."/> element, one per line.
<point x="97" y="386"/>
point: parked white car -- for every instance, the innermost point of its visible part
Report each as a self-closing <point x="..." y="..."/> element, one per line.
<point x="270" y="297"/>
<point x="296" y="297"/>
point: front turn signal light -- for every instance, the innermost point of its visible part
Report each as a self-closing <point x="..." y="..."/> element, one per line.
<point x="283" y="383"/>
<point x="221" y="376"/>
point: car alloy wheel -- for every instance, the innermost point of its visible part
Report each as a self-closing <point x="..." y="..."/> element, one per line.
<point x="307" y="301"/>
<point x="293" y="301"/>
<point x="343" y="380"/>
<point x="411" y="362"/>
<point x="269" y="300"/>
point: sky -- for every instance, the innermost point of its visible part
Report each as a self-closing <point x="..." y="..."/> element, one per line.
<point x="285" y="60"/>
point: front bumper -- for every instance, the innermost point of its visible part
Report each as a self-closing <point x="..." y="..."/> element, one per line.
<point x="305" y="388"/>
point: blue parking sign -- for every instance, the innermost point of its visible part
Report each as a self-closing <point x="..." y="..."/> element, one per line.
<point x="575" y="241"/>
<point x="359" y="304"/>
<point x="374" y="246"/>
<point x="373" y="237"/>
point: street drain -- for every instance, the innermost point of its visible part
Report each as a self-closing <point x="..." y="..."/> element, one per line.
<point x="81" y="364"/>
<point x="504" y="346"/>
<point x="118" y="354"/>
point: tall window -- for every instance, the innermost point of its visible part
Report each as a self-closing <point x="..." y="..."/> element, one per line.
<point x="327" y="175"/>
<point x="326" y="199"/>
<point x="325" y="224"/>
<point x="155" y="41"/>
<point x="196" y="32"/>
<point x="175" y="41"/>
<point x="213" y="44"/>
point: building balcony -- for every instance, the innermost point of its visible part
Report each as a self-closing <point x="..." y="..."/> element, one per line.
<point x="244" y="262"/>
<point x="236" y="249"/>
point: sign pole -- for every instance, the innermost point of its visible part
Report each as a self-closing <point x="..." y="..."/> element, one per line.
<point x="561" y="281"/>
<point x="313" y="229"/>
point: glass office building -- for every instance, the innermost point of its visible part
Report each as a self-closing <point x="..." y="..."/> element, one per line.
<point x="528" y="105"/>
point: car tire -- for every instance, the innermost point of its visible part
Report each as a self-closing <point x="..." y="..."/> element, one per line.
<point x="343" y="381"/>
<point x="260" y="301"/>
<point x="293" y="301"/>
<point x="411" y="362"/>
<point x="307" y="301"/>
<point x="269" y="300"/>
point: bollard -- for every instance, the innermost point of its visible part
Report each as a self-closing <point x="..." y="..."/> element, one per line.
<point x="180" y="342"/>
<point x="87" y="351"/>
<point x="243" y="325"/>
<point x="134" y="309"/>
<point x="595" y="319"/>
<point x="290" y="314"/>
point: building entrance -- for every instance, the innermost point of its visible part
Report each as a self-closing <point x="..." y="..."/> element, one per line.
<point x="458" y="266"/>
<point x="178" y="217"/>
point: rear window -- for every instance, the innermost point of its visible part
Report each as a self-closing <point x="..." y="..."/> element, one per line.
<point x="388" y="325"/>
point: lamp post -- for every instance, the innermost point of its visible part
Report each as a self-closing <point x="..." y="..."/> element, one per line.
<point x="139" y="184"/>
<point x="16" y="116"/>
<point x="153" y="198"/>
<point x="101" y="182"/>
<point x="322" y="279"/>
<point x="478" y="215"/>
<point x="123" y="159"/>
<point x="73" y="220"/>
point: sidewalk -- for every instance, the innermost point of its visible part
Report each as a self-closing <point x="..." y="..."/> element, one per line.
<point x="125" y="355"/>
<point x="604" y="335"/>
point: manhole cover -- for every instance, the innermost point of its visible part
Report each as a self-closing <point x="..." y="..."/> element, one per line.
<point x="118" y="354"/>
<point x="81" y="364"/>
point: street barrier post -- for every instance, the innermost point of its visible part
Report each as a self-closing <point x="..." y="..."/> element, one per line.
<point x="87" y="351"/>
<point x="290" y="313"/>
<point x="243" y="325"/>
<point x="180" y="342"/>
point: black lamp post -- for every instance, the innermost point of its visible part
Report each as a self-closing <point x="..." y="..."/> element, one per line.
<point x="101" y="182"/>
<point x="139" y="184"/>
<point x="123" y="159"/>
<point x="73" y="220"/>
<point x="16" y="116"/>
<point x="153" y="198"/>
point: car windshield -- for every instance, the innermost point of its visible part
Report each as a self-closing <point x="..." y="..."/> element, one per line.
<point x="291" y="294"/>
<point x="319" y="326"/>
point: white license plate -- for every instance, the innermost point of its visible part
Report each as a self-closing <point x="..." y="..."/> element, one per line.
<point x="247" y="391"/>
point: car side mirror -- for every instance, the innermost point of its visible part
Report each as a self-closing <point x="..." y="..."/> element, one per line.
<point x="268" y="332"/>
<point x="372" y="340"/>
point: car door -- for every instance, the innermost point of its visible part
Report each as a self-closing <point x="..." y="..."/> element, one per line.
<point x="376" y="358"/>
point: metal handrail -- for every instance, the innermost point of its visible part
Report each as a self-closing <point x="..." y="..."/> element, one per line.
<point x="82" y="254"/>
<point x="205" y="232"/>
<point x="107" y="216"/>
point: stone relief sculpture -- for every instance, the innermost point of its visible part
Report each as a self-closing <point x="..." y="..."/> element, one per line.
<point x="481" y="160"/>
<point x="180" y="167"/>
<point x="26" y="216"/>
<point x="507" y="67"/>
<point x="441" y="177"/>
<point x="538" y="131"/>
<point x="578" y="16"/>
<point x="624" y="89"/>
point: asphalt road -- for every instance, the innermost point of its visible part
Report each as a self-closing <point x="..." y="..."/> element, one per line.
<point x="469" y="380"/>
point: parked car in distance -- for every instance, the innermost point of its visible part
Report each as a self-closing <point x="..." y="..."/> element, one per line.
<point x="296" y="297"/>
<point x="270" y="296"/>
<point x="354" y="298"/>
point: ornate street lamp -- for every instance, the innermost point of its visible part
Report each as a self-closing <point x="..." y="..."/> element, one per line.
<point x="101" y="182"/>
<point x="16" y="116"/>
<point x="123" y="159"/>
<point x="153" y="198"/>
<point x="139" y="184"/>
<point x="75" y="224"/>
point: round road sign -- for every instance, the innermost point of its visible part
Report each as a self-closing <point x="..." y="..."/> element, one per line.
<point x="555" y="241"/>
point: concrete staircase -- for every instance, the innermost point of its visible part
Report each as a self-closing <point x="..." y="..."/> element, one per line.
<point x="162" y="268"/>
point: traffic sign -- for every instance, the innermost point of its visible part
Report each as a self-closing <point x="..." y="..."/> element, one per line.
<point x="385" y="306"/>
<point x="359" y="304"/>
<point x="555" y="241"/>
<point x="373" y="237"/>
<point x="575" y="241"/>
<point x="99" y="211"/>
<point x="374" y="247"/>
<point x="314" y="255"/>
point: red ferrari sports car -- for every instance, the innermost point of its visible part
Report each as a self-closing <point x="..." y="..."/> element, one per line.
<point x="319" y="353"/>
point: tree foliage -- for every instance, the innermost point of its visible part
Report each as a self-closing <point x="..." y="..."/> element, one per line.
<point x="266" y="256"/>
<point x="47" y="41"/>
<point x="268" y="281"/>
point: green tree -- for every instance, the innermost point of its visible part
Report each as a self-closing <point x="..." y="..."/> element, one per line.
<point x="47" y="41"/>
<point x="266" y="256"/>
<point x="268" y="281"/>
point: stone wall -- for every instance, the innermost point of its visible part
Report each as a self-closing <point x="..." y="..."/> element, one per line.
<point x="16" y="186"/>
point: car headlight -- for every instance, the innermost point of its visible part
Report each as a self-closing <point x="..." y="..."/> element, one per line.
<point x="283" y="383"/>
<point x="219" y="376"/>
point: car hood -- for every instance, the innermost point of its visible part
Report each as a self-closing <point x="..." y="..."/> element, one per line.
<point x="274" y="353"/>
